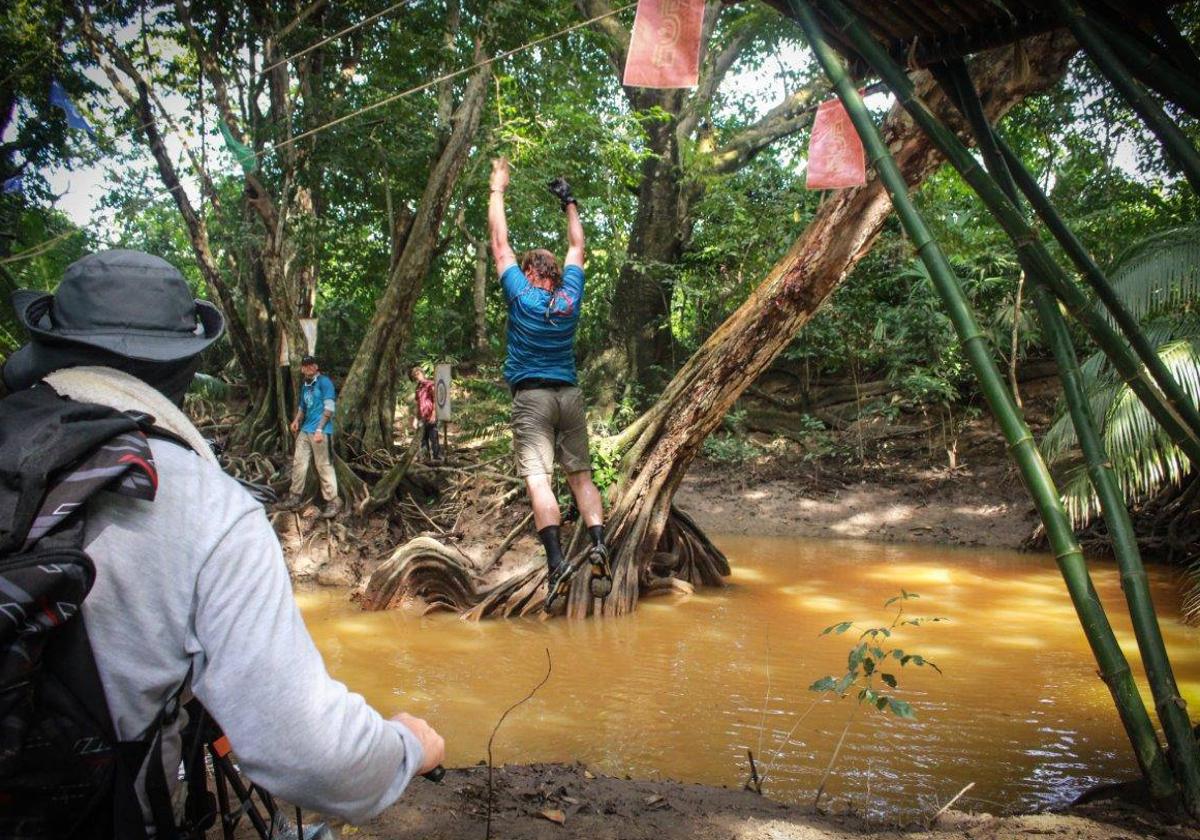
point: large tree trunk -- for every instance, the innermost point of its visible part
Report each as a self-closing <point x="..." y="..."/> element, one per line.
<point x="666" y="439"/>
<point x="366" y="408"/>
<point x="661" y="228"/>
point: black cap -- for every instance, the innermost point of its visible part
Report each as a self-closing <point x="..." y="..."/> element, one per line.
<point x="308" y="360"/>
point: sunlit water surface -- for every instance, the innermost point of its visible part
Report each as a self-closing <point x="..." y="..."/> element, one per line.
<point x="685" y="687"/>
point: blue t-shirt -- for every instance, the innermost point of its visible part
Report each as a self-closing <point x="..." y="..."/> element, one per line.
<point x="315" y="398"/>
<point x="541" y="326"/>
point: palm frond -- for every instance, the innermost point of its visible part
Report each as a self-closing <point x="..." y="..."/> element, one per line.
<point x="1143" y="456"/>
<point x="1160" y="274"/>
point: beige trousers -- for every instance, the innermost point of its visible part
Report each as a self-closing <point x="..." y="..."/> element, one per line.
<point x="307" y="450"/>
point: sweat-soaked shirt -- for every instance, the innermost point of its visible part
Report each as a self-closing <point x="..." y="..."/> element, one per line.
<point x="541" y="326"/>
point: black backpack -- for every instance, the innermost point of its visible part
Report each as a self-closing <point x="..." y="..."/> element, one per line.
<point x="63" y="773"/>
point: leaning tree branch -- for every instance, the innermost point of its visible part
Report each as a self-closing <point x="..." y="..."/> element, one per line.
<point x="616" y="37"/>
<point x="789" y="116"/>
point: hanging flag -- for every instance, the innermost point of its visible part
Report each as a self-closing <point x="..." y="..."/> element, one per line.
<point x="12" y="185"/>
<point x="240" y="151"/>
<point x="835" y="152"/>
<point x="59" y="99"/>
<point x="664" y="50"/>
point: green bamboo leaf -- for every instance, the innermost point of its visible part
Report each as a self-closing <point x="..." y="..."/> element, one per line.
<point x="901" y="709"/>
<point x="889" y="679"/>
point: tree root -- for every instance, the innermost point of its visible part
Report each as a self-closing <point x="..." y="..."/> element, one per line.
<point x="426" y="570"/>
<point x="422" y="569"/>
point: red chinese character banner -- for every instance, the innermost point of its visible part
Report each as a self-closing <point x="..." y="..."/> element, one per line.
<point x="664" y="51"/>
<point x="835" y="152"/>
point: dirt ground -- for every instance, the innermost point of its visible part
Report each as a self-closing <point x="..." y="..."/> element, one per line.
<point x="555" y="801"/>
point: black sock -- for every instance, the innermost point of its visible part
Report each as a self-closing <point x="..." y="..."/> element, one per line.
<point x="597" y="532"/>
<point x="549" y="538"/>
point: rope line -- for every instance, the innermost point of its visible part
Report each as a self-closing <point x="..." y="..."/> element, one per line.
<point x="444" y="78"/>
<point x="325" y="41"/>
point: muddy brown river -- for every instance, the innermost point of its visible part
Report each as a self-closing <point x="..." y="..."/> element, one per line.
<point x="683" y="688"/>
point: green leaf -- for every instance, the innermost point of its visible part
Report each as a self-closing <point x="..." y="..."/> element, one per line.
<point x="843" y="685"/>
<point x="823" y="684"/>
<point x="856" y="657"/>
<point x="841" y="627"/>
<point x="901" y="709"/>
<point x="889" y="679"/>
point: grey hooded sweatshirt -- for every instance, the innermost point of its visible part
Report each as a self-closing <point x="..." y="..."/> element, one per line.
<point x="196" y="578"/>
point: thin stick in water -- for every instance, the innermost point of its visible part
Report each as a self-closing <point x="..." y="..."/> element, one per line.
<point x="525" y="699"/>
<point x="947" y="806"/>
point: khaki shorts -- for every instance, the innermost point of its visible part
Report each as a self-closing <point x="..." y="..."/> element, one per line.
<point x="549" y="423"/>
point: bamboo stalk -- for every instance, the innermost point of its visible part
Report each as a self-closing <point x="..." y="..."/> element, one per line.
<point x="1176" y="144"/>
<point x="1183" y="753"/>
<point x="1096" y="278"/>
<point x="1114" y="668"/>
<point x="1151" y="69"/>
<point x="1179" y="50"/>
<point x="1024" y="238"/>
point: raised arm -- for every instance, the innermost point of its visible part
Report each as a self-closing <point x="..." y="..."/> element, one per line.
<point x="574" y="236"/>
<point x="502" y="253"/>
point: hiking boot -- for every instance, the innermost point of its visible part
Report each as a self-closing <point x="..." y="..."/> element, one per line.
<point x="601" y="583"/>
<point x="290" y="502"/>
<point x="559" y="581"/>
<point x="332" y="508"/>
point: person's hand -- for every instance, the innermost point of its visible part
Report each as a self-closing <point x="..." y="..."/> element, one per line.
<point x="499" y="180"/>
<point x="415" y="423"/>
<point x="433" y="745"/>
<point x="561" y="190"/>
<point x="295" y="427"/>
<point x="318" y="436"/>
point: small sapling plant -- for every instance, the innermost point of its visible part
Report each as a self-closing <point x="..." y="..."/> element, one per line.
<point x="869" y="670"/>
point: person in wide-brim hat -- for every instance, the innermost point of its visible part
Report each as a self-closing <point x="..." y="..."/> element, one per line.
<point x="119" y="308"/>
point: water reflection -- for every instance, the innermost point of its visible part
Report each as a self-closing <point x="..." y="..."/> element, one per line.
<point x="681" y="688"/>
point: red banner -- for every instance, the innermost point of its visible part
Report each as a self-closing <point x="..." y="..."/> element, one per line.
<point x="664" y="51"/>
<point x="835" y="153"/>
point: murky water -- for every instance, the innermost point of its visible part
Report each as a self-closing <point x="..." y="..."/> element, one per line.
<point x="682" y="689"/>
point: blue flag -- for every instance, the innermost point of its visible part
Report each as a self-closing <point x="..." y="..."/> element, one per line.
<point x="59" y="99"/>
<point x="12" y="185"/>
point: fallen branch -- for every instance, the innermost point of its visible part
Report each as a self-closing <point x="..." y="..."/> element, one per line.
<point x="508" y="541"/>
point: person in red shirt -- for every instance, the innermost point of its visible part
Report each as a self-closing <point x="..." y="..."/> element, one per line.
<point x="426" y="415"/>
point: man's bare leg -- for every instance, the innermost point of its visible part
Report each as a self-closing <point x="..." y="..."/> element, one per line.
<point x="591" y="508"/>
<point x="541" y="497"/>
<point x="587" y="497"/>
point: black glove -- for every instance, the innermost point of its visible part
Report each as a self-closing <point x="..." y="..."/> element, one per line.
<point x="562" y="191"/>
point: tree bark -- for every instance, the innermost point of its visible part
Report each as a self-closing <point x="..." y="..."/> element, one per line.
<point x="666" y="439"/>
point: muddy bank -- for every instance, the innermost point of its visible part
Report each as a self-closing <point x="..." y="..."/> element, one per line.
<point x="979" y="504"/>
<point x="545" y="801"/>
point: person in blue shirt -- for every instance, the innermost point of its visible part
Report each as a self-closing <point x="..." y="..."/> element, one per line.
<point x="313" y="428"/>
<point x="549" y="421"/>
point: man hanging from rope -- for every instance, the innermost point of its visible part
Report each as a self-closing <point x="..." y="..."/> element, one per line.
<point x="548" y="416"/>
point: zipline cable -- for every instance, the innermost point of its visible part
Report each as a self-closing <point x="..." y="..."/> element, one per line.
<point x="444" y="78"/>
<point x="333" y="37"/>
